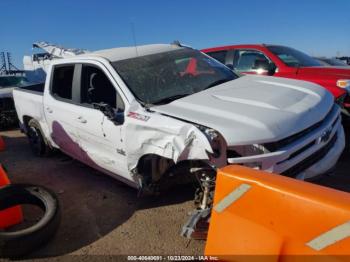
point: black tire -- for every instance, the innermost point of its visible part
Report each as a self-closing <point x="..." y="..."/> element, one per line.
<point x="15" y="244"/>
<point x="346" y="126"/>
<point x="36" y="139"/>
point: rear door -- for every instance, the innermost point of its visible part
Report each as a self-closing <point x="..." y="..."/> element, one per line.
<point x="62" y="112"/>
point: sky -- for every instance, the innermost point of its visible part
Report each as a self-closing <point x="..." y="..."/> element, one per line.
<point x="317" y="27"/>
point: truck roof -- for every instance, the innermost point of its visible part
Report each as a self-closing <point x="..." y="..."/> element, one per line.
<point x="121" y="53"/>
<point x="219" y="48"/>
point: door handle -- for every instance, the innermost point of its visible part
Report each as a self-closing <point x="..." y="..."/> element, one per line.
<point x="48" y="109"/>
<point x="82" y="120"/>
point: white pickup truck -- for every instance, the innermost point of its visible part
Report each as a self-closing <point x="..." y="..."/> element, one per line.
<point x="145" y="113"/>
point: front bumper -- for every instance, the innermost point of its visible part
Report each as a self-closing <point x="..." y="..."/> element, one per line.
<point x="328" y="162"/>
<point x="313" y="155"/>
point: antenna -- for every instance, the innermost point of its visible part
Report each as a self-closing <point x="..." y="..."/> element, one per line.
<point x="134" y="37"/>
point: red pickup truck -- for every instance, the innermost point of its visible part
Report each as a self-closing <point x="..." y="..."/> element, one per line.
<point x="286" y="62"/>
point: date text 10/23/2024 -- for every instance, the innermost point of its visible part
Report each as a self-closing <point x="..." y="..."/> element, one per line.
<point x="172" y="258"/>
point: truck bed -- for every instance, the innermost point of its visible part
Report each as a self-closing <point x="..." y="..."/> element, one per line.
<point x="29" y="102"/>
<point x="35" y="88"/>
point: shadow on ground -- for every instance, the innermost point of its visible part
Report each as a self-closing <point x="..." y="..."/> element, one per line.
<point x="101" y="215"/>
<point x="92" y="204"/>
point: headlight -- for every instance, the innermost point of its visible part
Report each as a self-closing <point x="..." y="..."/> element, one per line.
<point x="343" y="83"/>
<point x="246" y="151"/>
<point x="250" y="150"/>
<point x="213" y="138"/>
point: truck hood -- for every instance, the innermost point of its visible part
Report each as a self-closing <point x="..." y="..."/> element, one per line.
<point x="254" y="109"/>
<point x="336" y="72"/>
<point x="6" y="92"/>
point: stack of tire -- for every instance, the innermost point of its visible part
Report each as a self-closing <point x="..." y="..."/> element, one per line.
<point x="16" y="244"/>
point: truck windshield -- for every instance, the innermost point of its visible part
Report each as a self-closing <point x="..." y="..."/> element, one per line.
<point x="293" y="58"/>
<point x="164" y="77"/>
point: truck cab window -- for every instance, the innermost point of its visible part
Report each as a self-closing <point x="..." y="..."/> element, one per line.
<point x="249" y="61"/>
<point x="219" y="55"/>
<point x="97" y="88"/>
<point x="62" y="81"/>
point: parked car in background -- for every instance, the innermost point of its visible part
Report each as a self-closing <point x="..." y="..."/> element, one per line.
<point x="281" y="61"/>
<point x="331" y="61"/>
<point x="346" y="59"/>
<point x="8" y="116"/>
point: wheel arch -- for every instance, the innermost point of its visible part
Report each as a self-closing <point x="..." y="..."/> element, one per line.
<point x="26" y="119"/>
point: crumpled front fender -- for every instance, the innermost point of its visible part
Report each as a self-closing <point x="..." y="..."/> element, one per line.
<point x="153" y="133"/>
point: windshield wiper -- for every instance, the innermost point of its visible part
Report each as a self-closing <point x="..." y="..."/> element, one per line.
<point x="169" y="99"/>
<point x="216" y="83"/>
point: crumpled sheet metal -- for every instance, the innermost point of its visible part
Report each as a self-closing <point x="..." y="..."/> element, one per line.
<point x="166" y="137"/>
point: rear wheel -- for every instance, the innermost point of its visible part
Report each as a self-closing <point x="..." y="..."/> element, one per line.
<point x="36" y="139"/>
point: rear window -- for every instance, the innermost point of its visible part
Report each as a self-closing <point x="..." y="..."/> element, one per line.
<point x="292" y="57"/>
<point x="62" y="82"/>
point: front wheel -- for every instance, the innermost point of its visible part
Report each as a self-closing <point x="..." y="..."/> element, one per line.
<point x="36" y="140"/>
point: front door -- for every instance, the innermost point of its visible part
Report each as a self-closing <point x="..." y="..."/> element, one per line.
<point x="247" y="61"/>
<point x="100" y="138"/>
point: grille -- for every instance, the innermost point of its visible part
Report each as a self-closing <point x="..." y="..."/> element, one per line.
<point x="275" y="146"/>
<point x="309" y="161"/>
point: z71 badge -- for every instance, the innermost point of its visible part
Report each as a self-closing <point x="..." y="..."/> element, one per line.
<point x="138" y="116"/>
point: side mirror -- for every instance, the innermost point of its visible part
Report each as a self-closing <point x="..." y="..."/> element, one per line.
<point x="112" y="114"/>
<point x="118" y="118"/>
<point x="265" y="66"/>
<point x="271" y="70"/>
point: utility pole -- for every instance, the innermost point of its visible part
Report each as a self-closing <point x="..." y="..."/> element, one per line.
<point x="3" y="68"/>
<point x="7" y="67"/>
<point x="11" y="66"/>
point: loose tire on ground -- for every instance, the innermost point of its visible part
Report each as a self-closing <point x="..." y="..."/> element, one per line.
<point x="15" y="244"/>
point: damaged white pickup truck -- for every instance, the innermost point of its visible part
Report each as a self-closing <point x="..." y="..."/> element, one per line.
<point x="147" y="113"/>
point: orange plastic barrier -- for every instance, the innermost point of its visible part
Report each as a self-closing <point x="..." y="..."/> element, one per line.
<point x="274" y="218"/>
<point x="13" y="215"/>
<point x="2" y="144"/>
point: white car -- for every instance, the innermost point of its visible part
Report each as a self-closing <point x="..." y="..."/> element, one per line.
<point x="143" y="113"/>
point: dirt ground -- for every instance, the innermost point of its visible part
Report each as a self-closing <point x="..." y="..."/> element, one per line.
<point x="101" y="216"/>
